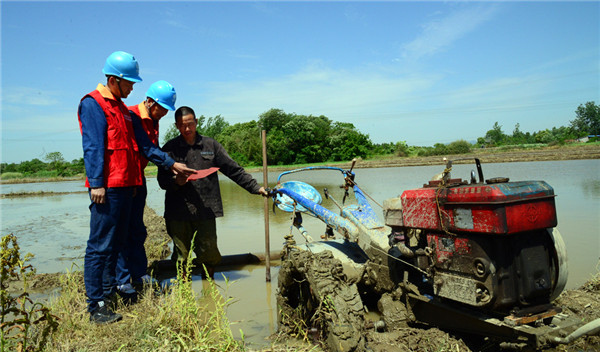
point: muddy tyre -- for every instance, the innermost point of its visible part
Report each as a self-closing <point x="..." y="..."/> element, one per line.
<point x="315" y="301"/>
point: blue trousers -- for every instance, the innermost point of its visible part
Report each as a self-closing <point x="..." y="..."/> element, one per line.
<point x="109" y="223"/>
<point x="132" y="261"/>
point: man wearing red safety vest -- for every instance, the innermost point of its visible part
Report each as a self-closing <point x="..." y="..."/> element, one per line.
<point x="112" y="141"/>
<point x="132" y="262"/>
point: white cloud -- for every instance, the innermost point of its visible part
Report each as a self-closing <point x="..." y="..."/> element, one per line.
<point x="25" y="96"/>
<point x="175" y="24"/>
<point x="317" y="89"/>
<point x="439" y="34"/>
<point x="45" y="123"/>
<point x="387" y="105"/>
<point x="241" y="55"/>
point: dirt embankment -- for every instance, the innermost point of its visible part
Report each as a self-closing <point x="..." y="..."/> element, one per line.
<point x="485" y="155"/>
<point x="489" y="155"/>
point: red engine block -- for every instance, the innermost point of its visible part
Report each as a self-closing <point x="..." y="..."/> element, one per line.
<point x="502" y="208"/>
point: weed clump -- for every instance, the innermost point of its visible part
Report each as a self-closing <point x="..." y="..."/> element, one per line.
<point x="25" y="325"/>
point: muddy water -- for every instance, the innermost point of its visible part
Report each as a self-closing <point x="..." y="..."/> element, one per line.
<point x="55" y="228"/>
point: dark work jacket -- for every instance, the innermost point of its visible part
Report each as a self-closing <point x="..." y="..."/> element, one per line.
<point x="200" y="199"/>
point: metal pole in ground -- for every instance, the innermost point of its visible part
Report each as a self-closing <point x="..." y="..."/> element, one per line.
<point x="266" y="184"/>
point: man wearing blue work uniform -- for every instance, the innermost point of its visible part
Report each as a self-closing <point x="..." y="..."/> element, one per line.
<point x="112" y="142"/>
<point x="132" y="263"/>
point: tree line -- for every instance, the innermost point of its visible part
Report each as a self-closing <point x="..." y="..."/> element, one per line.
<point x="291" y="138"/>
<point x="301" y="139"/>
<point x="54" y="166"/>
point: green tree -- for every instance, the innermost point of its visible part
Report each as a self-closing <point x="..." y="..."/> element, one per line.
<point x="76" y="166"/>
<point x="279" y="140"/>
<point x="563" y="133"/>
<point x="495" y="135"/>
<point x="274" y="119"/>
<point x="401" y="148"/>
<point x="307" y="138"/>
<point x="384" y="148"/>
<point x="56" y="163"/>
<point x="346" y="143"/>
<point x="211" y="127"/>
<point x="587" y="120"/>
<point x="518" y="137"/>
<point x="544" y="136"/>
<point x="214" y="126"/>
<point x="278" y="152"/>
<point x="54" y="157"/>
<point x="171" y="133"/>
<point x="12" y="167"/>
<point x="30" y="167"/>
<point x="242" y="142"/>
<point x="459" y="147"/>
<point x="440" y="149"/>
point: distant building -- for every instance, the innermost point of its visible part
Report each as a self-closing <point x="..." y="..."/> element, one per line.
<point x="587" y="138"/>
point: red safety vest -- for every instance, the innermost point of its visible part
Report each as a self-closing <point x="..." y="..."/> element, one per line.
<point x="121" y="154"/>
<point x="150" y="127"/>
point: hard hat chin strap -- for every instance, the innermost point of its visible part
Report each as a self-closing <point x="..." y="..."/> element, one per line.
<point x="119" y="85"/>
<point x="149" y="106"/>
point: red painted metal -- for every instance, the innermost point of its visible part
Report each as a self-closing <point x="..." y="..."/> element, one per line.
<point x="503" y="208"/>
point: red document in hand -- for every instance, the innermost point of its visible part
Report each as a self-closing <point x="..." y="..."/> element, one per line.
<point x="202" y="173"/>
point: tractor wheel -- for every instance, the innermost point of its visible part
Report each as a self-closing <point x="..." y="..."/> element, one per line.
<point x="559" y="263"/>
<point x="316" y="301"/>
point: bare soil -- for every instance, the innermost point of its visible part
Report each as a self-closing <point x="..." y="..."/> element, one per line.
<point x="485" y="155"/>
<point x="493" y="155"/>
<point x="583" y="302"/>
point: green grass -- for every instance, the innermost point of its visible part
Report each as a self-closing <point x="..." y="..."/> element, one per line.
<point x="178" y="320"/>
<point x="11" y="175"/>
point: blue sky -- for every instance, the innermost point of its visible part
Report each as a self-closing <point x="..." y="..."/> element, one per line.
<point x="420" y="72"/>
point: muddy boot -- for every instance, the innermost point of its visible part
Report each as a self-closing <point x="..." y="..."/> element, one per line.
<point x="104" y="315"/>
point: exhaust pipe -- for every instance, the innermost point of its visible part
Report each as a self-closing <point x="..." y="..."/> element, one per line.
<point x="590" y="328"/>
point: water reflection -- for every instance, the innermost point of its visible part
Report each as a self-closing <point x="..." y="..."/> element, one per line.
<point x="66" y="186"/>
<point x="591" y="188"/>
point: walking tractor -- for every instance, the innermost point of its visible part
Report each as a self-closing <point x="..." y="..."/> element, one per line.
<point x="481" y="257"/>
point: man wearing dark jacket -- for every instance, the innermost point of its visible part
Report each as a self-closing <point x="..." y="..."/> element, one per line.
<point x="192" y="204"/>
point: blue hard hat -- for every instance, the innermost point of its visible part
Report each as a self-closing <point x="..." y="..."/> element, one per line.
<point x="122" y="65"/>
<point x="163" y="93"/>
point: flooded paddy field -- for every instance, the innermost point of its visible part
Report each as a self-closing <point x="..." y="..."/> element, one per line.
<point x="55" y="228"/>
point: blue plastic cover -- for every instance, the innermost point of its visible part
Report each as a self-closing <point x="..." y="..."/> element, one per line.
<point x="307" y="191"/>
